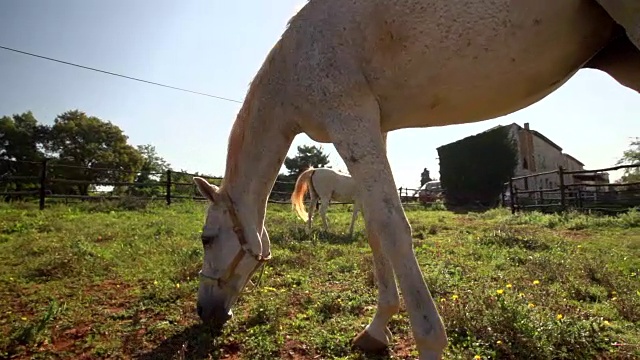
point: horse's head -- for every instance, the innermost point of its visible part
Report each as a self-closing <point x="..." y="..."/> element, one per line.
<point x="232" y="253"/>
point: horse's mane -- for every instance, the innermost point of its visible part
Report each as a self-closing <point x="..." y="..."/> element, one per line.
<point x="237" y="137"/>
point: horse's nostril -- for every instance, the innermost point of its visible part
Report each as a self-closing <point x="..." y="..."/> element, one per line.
<point x="199" y="310"/>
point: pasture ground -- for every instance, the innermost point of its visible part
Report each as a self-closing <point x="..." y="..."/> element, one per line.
<point x="100" y="281"/>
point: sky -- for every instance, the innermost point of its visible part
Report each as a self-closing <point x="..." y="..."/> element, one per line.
<point x="216" y="47"/>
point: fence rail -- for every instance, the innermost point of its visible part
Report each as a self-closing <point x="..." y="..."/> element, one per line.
<point x="573" y="195"/>
<point x="43" y="182"/>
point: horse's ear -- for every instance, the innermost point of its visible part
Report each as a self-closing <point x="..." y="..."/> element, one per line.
<point x="207" y="190"/>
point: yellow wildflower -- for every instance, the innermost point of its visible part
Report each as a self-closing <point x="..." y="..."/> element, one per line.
<point x="521" y="295"/>
<point x="499" y="291"/>
<point x="531" y="305"/>
<point x="509" y="286"/>
<point x="177" y="285"/>
<point x="477" y="357"/>
<point x="443" y="300"/>
<point x="614" y="298"/>
<point x="24" y="318"/>
<point x="499" y="342"/>
<point x="536" y="282"/>
<point x="155" y="282"/>
<point x="606" y="323"/>
<point x="559" y="317"/>
<point x="454" y="297"/>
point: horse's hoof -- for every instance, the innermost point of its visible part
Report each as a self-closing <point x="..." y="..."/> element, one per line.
<point x="368" y="343"/>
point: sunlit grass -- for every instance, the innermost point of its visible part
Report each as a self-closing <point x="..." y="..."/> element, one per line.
<point x="108" y="282"/>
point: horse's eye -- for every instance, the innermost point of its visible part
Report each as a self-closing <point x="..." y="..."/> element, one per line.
<point x="207" y="239"/>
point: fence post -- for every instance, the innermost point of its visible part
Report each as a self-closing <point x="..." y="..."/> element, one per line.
<point x="168" y="190"/>
<point x="43" y="183"/>
<point x="400" y="194"/>
<point x="541" y="197"/>
<point x="511" y="198"/>
<point x="563" y="200"/>
<point x="579" y="198"/>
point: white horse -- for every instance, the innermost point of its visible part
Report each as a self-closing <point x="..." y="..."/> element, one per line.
<point x="324" y="185"/>
<point x="347" y="73"/>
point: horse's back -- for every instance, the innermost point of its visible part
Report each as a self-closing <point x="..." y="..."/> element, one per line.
<point x="435" y="62"/>
<point x="328" y="182"/>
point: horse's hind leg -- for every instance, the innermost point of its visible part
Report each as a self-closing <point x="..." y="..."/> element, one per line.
<point x="355" y="131"/>
<point x="621" y="60"/>
<point x="312" y="207"/>
<point x="324" y="206"/>
<point x="354" y="216"/>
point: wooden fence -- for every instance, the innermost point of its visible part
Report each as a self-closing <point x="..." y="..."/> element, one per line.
<point x="573" y="195"/>
<point x="40" y="180"/>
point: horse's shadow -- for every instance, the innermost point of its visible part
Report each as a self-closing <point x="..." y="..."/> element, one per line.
<point x="195" y="342"/>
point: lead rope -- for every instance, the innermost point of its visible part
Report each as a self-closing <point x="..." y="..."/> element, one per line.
<point x="260" y="276"/>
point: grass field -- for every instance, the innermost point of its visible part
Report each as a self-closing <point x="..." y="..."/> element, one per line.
<point x="100" y="281"/>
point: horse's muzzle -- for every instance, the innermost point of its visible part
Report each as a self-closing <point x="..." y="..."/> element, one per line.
<point x="215" y="316"/>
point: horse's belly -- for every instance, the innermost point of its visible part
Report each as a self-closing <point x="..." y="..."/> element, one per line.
<point x="471" y="68"/>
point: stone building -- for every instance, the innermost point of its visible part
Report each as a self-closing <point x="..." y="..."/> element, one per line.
<point x="538" y="154"/>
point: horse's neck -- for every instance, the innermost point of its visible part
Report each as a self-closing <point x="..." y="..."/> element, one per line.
<point x="257" y="147"/>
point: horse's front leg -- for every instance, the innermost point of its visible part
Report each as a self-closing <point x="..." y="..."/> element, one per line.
<point x="355" y="132"/>
<point x="376" y="336"/>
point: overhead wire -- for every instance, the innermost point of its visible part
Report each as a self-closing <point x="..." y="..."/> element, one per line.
<point x="119" y="75"/>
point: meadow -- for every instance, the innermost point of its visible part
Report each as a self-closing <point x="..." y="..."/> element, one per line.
<point x="119" y="280"/>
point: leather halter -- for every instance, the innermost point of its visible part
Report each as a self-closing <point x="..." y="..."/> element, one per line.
<point x="244" y="249"/>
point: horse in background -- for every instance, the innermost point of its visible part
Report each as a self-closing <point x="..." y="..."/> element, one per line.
<point x="325" y="185"/>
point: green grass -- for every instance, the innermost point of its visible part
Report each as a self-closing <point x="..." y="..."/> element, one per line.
<point x="109" y="281"/>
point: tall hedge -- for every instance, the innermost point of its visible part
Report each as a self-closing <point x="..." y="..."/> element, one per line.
<point x="474" y="169"/>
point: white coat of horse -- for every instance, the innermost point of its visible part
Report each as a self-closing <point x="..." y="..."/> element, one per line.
<point x="348" y="72"/>
<point x="325" y="185"/>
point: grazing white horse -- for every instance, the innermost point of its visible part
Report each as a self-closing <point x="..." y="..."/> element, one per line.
<point x="325" y="185"/>
<point x="348" y="72"/>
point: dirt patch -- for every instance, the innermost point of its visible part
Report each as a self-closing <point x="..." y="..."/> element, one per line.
<point x="573" y="235"/>
<point x="295" y="350"/>
<point x="64" y="341"/>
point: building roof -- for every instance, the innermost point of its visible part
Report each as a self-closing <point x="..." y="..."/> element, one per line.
<point x="574" y="159"/>
<point x="541" y="137"/>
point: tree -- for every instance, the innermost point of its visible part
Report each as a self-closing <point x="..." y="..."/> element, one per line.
<point x="425" y="177"/>
<point x="631" y="156"/>
<point x="307" y="156"/>
<point x="152" y="164"/>
<point x="79" y="140"/>
<point x="20" y="149"/>
<point x="152" y="169"/>
<point x="20" y="137"/>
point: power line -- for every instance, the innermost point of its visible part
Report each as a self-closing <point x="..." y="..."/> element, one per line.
<point x="120" y="75"/>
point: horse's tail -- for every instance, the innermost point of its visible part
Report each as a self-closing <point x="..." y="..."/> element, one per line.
<point x="302" y="184"/>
